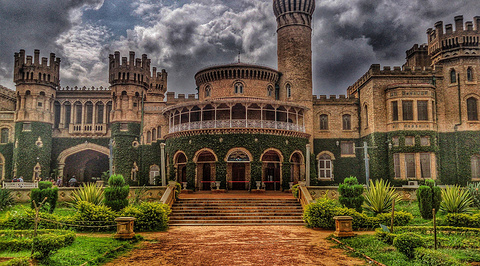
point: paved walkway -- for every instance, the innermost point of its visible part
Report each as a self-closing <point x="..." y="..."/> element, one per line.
<point x="237" y="245"/>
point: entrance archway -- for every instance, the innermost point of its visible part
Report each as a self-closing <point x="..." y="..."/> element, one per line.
<point x="205" y="169"/>
<point x="238" y="169"/>
<point x="296" y="167"/>
<point x="86" y="161"/>
<point x="271" y="169"/>
<point x="181" y="166"/>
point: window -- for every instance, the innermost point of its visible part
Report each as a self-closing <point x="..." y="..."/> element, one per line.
<point x="422" y="110"/>
<point x="347" y="148"/>
<point x="4" y="137"/>
<point x="238" y="88"/>
<point x="154" y="134"/>
<point x="366" y="116"/>
<point x="207" y="91"/>
<point x="453" y="76"/>
<point x="410" y="165"/>
<point x="407" y="110"/>
<point x="89" y="110"/>
<point x="27" y="127"/>
<point x="472" y="109"/>
<point x="68" y="114"/>
<point x="159" y="132"/>
<point x="396" y="165"/>
<point x="78" y="109"/>
<point x="39" y="104"/>
<point x="395" y="141"/>
<point x="325" y="166"/>
<point x="469" y="74"/>
<point x="425" y="165"/>
<point x="100" y="111"/>
<point x="409" y="141"/>
<point x="425" y="141"/>
<point x="270" y="91"/>
<point x="323" y="122"/>
<point x="149" y="137"/>
<point x="289" y="91"/>
<point x="154" y="172"/>
<point x="347" y="125"/>
<point x="123" y="127"/>
<point x="395" y="111"/>
<point x="475" y="162"/>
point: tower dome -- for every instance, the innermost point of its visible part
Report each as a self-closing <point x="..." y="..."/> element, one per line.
<point x="294" y="12"/>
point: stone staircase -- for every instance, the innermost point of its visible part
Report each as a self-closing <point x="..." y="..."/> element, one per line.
<point x="236" y="211"/>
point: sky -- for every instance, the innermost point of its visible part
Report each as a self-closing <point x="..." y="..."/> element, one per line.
<point x="185" y="36"/>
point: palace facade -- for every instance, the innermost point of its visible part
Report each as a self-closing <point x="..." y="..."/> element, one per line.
<point x="249" y="123"/>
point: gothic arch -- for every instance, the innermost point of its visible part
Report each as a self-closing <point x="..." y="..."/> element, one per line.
<point x="280" y="155"/>
<point x="328" y="153"/>
<point x="239" y="149"/>
<point x="195" y="157"/>
<point x="79" y="148"/>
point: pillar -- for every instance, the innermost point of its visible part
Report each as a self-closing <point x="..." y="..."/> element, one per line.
<point x="307" y="166"/>
<point x="162" y="165"/>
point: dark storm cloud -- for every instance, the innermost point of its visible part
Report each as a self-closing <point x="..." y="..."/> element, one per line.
<point x="30" y="24"/>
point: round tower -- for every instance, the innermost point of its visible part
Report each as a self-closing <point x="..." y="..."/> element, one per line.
<point x="36" y="82"/>
<point x="294" y="48"/>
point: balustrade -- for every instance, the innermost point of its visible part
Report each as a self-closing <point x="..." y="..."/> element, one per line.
<point x="87" y="129"/>
<point x="236" y="123"/>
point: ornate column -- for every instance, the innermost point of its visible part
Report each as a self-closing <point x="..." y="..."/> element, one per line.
<point x="62" y="116"/>
<point x="162" y="165"/>
<point x="307" y="166"/>
<point x="84" y="115"/>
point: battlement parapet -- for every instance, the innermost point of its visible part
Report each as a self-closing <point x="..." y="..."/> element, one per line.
<point x="442" y="37"/>
<point x="28" y="69"/>
<point x="7" y="93"/>
<point x="84" y="88"/>
<point x="417" y="48"/>
<point x="171" y="99"/>
<point x="158" y="83"/>
<point x="296" y="14"/>
<point x="397" y="71"/>
<point x="333" y="99"/>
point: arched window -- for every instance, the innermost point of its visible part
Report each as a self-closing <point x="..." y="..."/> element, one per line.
<point x="78" y="113"/>
<point x="89" y="113"/>
<point x="323" y="122"/>
<point x="325" y="167"/>
<point x="289" y="91"/>
<point x="154" y="134"/>
<point x="238" y="88"/>
<point x="159" y="132"/>
<point x="475" y="162"/>
<point x="5" y="133"/>
<point x="149" y="137"/>
<point x="347" y="122"/>
<point x="469" y="74"/>
<point x="207" y="91"/>
<point x="453" y="76"/>
<point x="472" y="109"/>
<point x="270" y="91"/>
<point x="366" y="116"/>
<point x="100" y="110"/>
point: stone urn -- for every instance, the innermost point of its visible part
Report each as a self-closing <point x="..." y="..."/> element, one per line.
<point x="217" y="184"/>
<point x="290" y="184"/>
<point x="259" y="184"/>
<point x="184" y="185"/>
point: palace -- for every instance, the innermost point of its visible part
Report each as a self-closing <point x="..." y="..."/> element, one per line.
<point x="251" y="123"/>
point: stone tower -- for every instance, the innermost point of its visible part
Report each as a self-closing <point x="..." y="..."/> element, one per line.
<point x="36" y="83"/>
<point x="294" y="48"/>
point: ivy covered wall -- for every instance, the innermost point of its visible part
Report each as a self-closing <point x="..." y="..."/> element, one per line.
<point x="7" y="151"/>
<point x="125" y="154"/>
<point x="256" y="144"/>
<point x="27" y="153"/>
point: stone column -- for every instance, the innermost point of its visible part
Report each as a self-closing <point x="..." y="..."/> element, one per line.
<point x="162" y="159"/>
<point x="307" y="166"/>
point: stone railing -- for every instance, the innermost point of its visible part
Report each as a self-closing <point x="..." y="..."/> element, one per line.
<point x="169" y="196"/>
<point x="13" y="185"/>
<point x="88" y="129"/>
<point x="304" y="196"/>
<point x="237" y="123"/>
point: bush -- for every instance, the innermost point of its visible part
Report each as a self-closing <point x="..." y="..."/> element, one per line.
<point x="430" y="257"/>
<point x="295" y="190"/>
<point x="43" y="191"/>
<point x="384" y="236"/>
<point x="90" y="215"/>
<point x="400" y="218"/>
<point x="17" y="240"/>
<point x="379" y="196"/>
<point x="89" y="193"/>
<point x="23" y="261"/>
<point x="44" y="184"/>
<point x="456" y="200"/>
<point x="151" y="216"/>
<point x="351" y="194"/>
<point x="407" y="242"/>
<point x="429" y="198"/>
<point x="178" y="190"/>
<point x="6" y="198"/>
<point x="474" y="189"/>
<point x="24" y="220"/>
<point x="462" y="220"/>
<point x="116" y="195"/>
<point x="44" y="245"/>
<point x="320" y="214"/>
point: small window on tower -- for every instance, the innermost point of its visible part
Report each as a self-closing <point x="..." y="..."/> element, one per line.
<point x="238" y="88"/>
<point x="289" y="91"/>
<point x="39" y="104"/>
<point x="27" y="127"/>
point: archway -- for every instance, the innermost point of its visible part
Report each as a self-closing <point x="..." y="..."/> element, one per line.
<point x="86" y="161"/>
<point x="271" y="170"/>
<point x="238" y="169"/>
<point x="181" y="166"/>
<point x="205" y="160"/>
<point x="296" y="167"/>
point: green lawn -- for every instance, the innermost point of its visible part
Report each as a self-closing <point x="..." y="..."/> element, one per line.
<point x="61" y="209"/>
<point x="93" y="249"/>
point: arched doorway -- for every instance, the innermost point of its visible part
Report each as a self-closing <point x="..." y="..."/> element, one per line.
<point x="238" y="170"/>
<point x="205" y="160"/>
<point x="271" y="170"/>
<point x="181" y="165"/>
<point x="296" y="169"/>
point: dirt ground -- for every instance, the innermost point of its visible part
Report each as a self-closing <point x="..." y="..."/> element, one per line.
<point x="237" y="245"/>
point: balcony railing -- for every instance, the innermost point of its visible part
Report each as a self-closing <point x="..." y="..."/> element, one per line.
<point x="95" y="129"/>
<point x="237" y="123"/>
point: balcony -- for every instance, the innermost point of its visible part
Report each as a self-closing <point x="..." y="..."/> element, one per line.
<point x="88" y="129"/>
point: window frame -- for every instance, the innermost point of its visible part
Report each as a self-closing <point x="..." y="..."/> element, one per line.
<point x="326" y="159"/>
<point x="323" y="119"/>
<point x="394" y="105"/>
<point x="472" y="109"/>
<point x="347" y="122"/>
<point x="422" y="110"/>
<point x="407" y="110"/>
<point x="347" y="151"/>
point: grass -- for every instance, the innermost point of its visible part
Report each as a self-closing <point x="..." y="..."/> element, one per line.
<point x="60" y="210"/>
<point x="90" y="248"/>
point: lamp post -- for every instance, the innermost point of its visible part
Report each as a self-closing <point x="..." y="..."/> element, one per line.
<point x="367" y="160"/>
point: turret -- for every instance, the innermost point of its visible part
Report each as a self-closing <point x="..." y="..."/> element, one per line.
<point x="158" y="85"/>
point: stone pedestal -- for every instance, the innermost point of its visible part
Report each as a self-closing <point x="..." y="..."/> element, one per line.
<point x="343" y="226"/>
<point x="125" y="227"/>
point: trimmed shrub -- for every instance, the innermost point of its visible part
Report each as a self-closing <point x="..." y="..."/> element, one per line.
<point x="116" y="194"/>
<point x="90" y="215"/>
<point x="151" y="216"/>
<point x="295" y="190"/>
<point x="462" y="220"/>
<point x="89" y="192"/>
<point x="386" y="237"/>
<point x="44" y="245"/>
<point x="429" y="198"/>
<point x="474" y="189"/>
<point x="379" y="196"/>
<point x="401" y="218"/>
<point x="320" y="214"/>
<point x="431" y="257"/>
<point x="43" y="191"/>
<point x="456" y="200"/>
<point x="407" y="243"/>
<point x="23" y="261"/>
<point x="6" y="198"/>
<point x="17" y="240"/>
<point x="24" y="220"/>
<point x="351" y="193"/>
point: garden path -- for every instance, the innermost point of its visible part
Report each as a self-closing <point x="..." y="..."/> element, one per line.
<point x="237" y="245"/>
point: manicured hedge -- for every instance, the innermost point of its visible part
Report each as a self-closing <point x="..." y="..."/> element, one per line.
<point x="462" y="220"/>
<point x="151" y="216"/>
